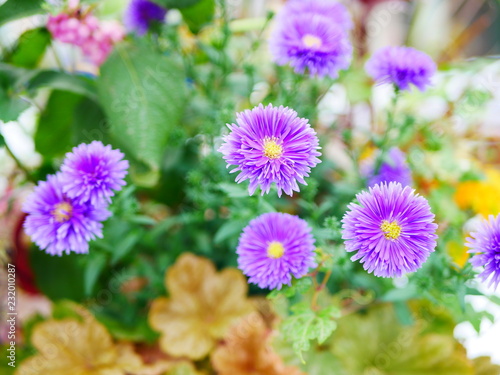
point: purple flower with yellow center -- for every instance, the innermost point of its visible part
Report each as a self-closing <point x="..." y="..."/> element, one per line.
<point x="271" y="145"/>
<point x="140" y="15"/>
<point x="273" y="248"/>
<point x="393" y="168"/>
<point x="57" y="223"/>
<point x="92" y="172"/>
<point x="485" y="243"/>
<point x="312" y="36"/>
<point x="392" y="230"/>
<point x="401" y="66"/>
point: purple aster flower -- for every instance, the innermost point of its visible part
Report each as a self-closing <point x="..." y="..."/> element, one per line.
<point x="393" y="169"/>
<point x="273" y="248"/>
<point x="57" y="223"/>
<point x="485" y="243"/>
<point x="92" y="172"/>
<point x="271" y="144"/>
<point x="392" y="229"/>
<point x="141" y="14"/>
<point x="314" y="40"/>
<point x="401" y="66"/>
<point x="335" y="11"/>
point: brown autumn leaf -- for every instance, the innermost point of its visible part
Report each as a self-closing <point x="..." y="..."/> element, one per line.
<point x="247" y="351"/>
<point x="203" y="303"/>
<point x="76" y="347"/>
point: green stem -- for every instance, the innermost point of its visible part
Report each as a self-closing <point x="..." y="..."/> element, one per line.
<point x="391" y="124"/>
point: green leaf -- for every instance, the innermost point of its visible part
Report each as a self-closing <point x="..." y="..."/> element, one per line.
<point x="199" y="15"/>
<point x="53" y="136"/>
<point x="400" y="294"/>
<point x="176" y="3"/>
<point x="374" y="342"/>
<point x="231" y="228"/>
<point x="11" y="104"/>
<point x="233" y="190"/>
<point x="125" y="246"/>
<point x="63" y="81"/>
<point x="94" y="267"/>
<point x="58" y="277"/>
<point x="299" y="286"/>
<point x="306" y="325"/>
<point x="143" y="94"/>
<point x="30" y="48"/>
<point x="14" y="9"/>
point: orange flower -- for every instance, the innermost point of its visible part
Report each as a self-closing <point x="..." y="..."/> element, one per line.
<point x="247" y="351"/>
<point x="203" y="304"/>
<point x="480" y="196"/>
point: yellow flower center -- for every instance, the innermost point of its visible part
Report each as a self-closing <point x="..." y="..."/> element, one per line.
<point x="311" y="41"/>
<point x="62" y="212"/>
<point x="392" y="231"/>
<point x="275" y="250"/>
<point x="272" y="150"/>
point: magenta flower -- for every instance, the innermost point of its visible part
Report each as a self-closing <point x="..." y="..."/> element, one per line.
<point x="401" y="66"/>
<point x="273" y="248"/>
<point x="92" y="172"/>
<point x="392" y="230"/>
<point x="59" y="224"/>
<point x="271" y="145"/>
<point x="485" y="243"/>
<point x="312" y="36"/>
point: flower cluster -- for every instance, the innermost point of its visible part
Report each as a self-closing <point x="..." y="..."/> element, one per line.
<point x="142" y="14"/>
<point x="313" y="36"/>
<point x="401" y="66"/>
<point x="66" y="211"/>
<point x="271" y="145"/>
<point x="82" y="29"/>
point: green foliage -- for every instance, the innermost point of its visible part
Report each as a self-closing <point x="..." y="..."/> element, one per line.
<point x="199" y="15"/>
<point x="53" y="136"/>
<point x="305" y="325"/>
<point x="30" y="48"/>
<point x="11" y="105"/>
<point x="143" y="95"/>
<point x="14" y="9"/>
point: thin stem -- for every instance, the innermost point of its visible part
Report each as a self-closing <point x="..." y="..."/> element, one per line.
<point x="318" y="289"/>
<point x="391" y="124"/>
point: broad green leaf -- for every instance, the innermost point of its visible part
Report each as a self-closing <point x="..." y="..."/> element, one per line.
<point x="54" y="132"/>
<point x="14" y="9"/>
<point x="30" y="48"/>
<point x="58" y="277"/>
<point x="375" y="342"/>
<point x="63" y="81"/>
<point x="199" y="15"/>
<point x="143" y="94"/>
